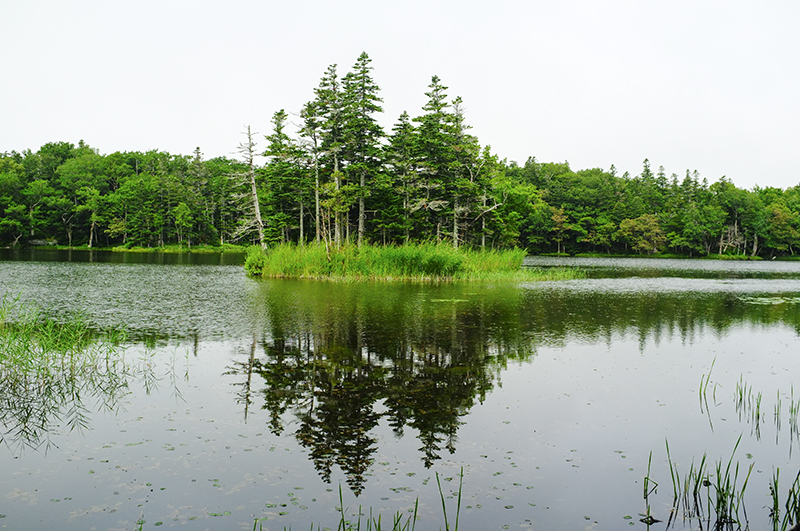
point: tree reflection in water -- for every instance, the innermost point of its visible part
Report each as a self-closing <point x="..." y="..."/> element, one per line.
<point x="341" y="358"/>
<point x="338" y="359"/>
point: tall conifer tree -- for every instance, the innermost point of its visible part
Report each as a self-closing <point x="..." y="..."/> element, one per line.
<point x="400" y="155"/>
<point x="434" y="154"/>
<point x="361" y="133"/>
<point x="329" y="105"/>
<point x="311" y="132"/>
<point x="285" y="179"/>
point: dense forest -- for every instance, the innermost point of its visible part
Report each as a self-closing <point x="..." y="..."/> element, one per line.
<point x="341" y="178"/>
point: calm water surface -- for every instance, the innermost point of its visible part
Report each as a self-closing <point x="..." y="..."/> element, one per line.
<point x="252" y="398"/>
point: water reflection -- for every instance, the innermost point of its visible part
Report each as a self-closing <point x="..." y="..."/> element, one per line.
<point x="60" y="391"/>
<point x="112" y="257"/>
<point x="325" y="374"/>
<point x="338" y="358"/>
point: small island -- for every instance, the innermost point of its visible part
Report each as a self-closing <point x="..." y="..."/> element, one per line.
<point x="412" y="261"/>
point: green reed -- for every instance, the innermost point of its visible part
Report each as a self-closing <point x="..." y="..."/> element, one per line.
<point x="687" y="492"/>
<point x="413" y="261"/>
<point x="749" y="406"/>
<point x="458" y="503"/>
<point x="649" y="488"/>
<point x="705" y="381"/>
<point x="47" y="366"/>
<point x="794" y="409"/>
<point x="399" y="522"/>
<point x="791" y="505"/>
<point x="703" y="491"/>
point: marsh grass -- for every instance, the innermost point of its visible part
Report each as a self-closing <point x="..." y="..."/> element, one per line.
<point x="649" y="488"/>
<point x="47" y="368"/>
<point x="748" y="406"/>
<point x="750" y="409"/>
<point x="794" y="409"/>
<point x="704" y="493"/>
<point x="705" y="382"/>
<point x="791" y="505"/>
<point x="400" y="522"/>
<point x="414" y="261"/>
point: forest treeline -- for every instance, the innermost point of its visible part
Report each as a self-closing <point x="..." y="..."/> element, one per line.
<point x="341" y="178"/>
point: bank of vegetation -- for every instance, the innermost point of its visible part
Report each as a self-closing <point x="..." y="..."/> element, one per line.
<point x="424" y="261"/>
<point x="341" y="178"/>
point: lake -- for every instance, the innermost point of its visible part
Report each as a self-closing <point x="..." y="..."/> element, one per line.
<point x="247" y="399"/>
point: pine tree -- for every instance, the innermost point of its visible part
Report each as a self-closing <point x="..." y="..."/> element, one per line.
<point x="400" y="156"/>
<point x="434" y="155"/>
<point x="311" y="133"/>
<point x="329" y="105"/>
<point x="285" y="180"/>
<point x="361" y="133"/>
<point x="467" y="179"/>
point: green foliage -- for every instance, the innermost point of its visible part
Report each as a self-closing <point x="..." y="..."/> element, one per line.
<point x="425" y="261"/>
<point x="255" y="260"/>
<point x="340" y="179"/>
<point x="643" y="234"/>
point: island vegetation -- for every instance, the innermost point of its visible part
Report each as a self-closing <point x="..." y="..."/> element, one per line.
<point x="412" y="261"/>
<point x="341" y="180"/>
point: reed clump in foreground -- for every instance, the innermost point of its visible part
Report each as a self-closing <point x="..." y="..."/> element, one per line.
<point x="399" y="521"/>
<point x="46" y="367"/>
<point x="413" y="261"/>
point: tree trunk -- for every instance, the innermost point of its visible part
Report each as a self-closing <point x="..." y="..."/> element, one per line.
<point x="337" y="229"/>
<point x="257" y="208"/>
<point x="406" y="208"/>
<point x="302" y="232"/>
<point x="455" y="223"/>
<point x="483" y="222"/>
<point x="361" y="213"/>
<point x="248" y="151"/>
<point x="316" y="193"/>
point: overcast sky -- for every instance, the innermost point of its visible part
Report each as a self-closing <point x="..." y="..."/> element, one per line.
<point x="689" y="84"/>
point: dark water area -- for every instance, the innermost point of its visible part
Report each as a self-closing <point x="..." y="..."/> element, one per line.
<point x="112" y="257"/>
<point x="254" y="399"/>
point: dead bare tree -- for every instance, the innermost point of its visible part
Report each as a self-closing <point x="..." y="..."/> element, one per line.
<point x="247" y="181"/>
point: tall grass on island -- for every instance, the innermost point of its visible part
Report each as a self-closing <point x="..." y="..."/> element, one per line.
<point x="413" y="261"/>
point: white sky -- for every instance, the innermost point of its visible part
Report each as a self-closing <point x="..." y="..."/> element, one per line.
<point x="690" y="84"/>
